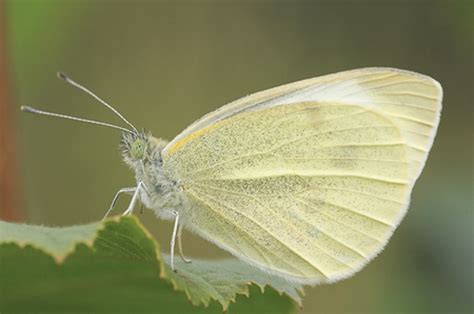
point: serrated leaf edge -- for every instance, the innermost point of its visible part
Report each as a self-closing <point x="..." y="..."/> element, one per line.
<point x="243" y="289"/>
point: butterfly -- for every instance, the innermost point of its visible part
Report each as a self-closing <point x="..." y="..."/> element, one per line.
<point x="306" y="181"/>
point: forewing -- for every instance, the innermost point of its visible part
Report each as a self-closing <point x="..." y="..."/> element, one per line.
<point x="411" y="100"/>
<point x="309" y="186"/>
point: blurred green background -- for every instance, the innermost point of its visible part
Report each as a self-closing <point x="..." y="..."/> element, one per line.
<point x="165" y="64"/>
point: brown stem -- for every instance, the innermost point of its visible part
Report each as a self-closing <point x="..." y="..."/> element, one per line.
<point x="10" y="208"/>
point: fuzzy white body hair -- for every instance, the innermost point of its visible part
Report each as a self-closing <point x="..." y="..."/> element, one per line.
<point x="161" y="193"/>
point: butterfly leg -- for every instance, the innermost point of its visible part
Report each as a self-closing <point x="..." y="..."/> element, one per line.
<point x="173" y="238"/>
<point x="134" y="200"/>
<point x="180" y="246"/>
<point x="112" y="205"/>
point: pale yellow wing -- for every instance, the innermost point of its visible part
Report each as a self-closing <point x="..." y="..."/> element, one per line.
<point x="412" y="99"/>
<point x="309" y="186"/>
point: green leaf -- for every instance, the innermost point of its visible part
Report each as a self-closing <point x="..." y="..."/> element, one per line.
<point x="117" y="266"/>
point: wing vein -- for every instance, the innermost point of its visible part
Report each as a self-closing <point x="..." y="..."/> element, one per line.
<point x="275" y="237"/>
<point x="351" y="175"/>
<point x="405" y="105"/>
<point x="410" y="119"/>
<point x="412" y="94"/>
<point x="364" y="90"/>
<point x="360" y="214"/>
<point x="330" y="203"/>
<point x="341" y="158"/>
<point x="338" y="221"/>
<point x="324" y="86"/>
<point x="269" y="152"/>
<point x="312" y="89"/>
<point x="326" y="132"/>
<point x="194" y="194"/>
<point x="352" y="191"/>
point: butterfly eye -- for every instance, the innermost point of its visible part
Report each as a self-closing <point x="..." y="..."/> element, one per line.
<point x="138" y="149"/>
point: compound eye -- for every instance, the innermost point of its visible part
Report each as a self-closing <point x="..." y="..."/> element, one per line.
<point x="138" y="149"/>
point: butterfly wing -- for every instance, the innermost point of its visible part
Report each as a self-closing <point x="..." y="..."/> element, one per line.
<point x="309" y="180"/>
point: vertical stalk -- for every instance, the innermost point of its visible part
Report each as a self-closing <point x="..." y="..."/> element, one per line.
<point x="10" y="208"/>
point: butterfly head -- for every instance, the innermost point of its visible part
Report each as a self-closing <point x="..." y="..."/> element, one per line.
<point x="135" y="147"/>
<point x="138" y="149"/>
<point x="141" y="148"/>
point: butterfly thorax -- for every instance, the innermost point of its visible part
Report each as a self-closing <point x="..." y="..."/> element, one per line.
<point x="143" y="153"/>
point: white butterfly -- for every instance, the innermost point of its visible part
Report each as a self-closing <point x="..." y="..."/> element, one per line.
<point x="306" y="181"/>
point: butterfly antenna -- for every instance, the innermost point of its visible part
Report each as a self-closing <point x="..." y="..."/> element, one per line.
<point x="63" y="116"/>
<point x="65" y="78"/>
